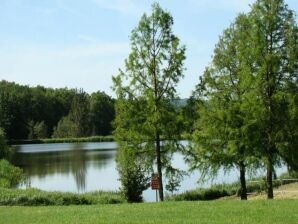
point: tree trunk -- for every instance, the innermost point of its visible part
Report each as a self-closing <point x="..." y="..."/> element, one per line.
<point x="269" y="177"/>
<point x="243" y="181"/>
<point x="159" y="167"/>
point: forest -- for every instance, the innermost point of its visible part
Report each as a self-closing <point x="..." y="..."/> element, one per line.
<point x="39" y="112"/>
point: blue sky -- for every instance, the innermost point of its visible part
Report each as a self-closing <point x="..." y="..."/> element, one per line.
<point x="82" y="43"/>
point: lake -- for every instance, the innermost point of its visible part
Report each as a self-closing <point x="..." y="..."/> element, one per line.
<point x="85" y="167"/>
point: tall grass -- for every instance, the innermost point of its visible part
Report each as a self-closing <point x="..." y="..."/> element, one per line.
<point x="35" y="197"/>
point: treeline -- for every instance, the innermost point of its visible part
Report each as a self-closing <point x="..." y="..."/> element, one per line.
<point x="39" y="112"/>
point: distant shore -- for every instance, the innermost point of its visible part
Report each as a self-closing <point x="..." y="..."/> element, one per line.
<point x="108" y="138"/>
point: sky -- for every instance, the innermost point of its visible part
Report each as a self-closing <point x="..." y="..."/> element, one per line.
<point x="82" y="43"/>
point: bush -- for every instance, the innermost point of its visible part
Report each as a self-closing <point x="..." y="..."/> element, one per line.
<point x="200" y="195"/>
<point x="35" y="197"/>
<point x="10" y="175"/>
<point x="133" y="174"/>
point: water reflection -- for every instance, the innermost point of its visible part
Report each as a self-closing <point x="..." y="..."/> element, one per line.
<point x="65" y="160"/>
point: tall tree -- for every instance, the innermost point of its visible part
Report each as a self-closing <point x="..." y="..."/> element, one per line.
<point x="102" y="113"/>
<point x="144" y="111"/>
<point x="274" y="47"/>
<point x="223" y="132"/>
<point x="80" y="114"/>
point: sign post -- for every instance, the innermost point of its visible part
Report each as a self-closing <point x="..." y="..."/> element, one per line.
<point x="155" y="184"/>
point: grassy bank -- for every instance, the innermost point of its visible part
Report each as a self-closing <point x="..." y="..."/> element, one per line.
<point x="216" y="212"/>
<point x="255" y="186"/>
<point x="35" y="197"/>
<point x="63" y="140"/>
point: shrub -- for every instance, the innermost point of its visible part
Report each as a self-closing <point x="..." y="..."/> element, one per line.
<point x="133" y="174"/>
<point x="10" y="175"/>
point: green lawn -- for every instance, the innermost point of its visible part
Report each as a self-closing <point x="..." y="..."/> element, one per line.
<point x="259" y="212"/>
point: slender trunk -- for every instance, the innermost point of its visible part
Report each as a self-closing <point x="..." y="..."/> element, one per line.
<point x="269" y="177"/>
<point x="270" y="143"/>
<point x="159" y="168"/>
<point x="270" y="147"/>
<point x="243" y="189"/>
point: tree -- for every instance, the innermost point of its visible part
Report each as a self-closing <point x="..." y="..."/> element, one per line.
<point x="224" y="132"/>
<point x="65" y="128"/>
<point x="5" y="115"/>
<point x="274" y="49"/>
<point x="38" y="130"/>
<point x="146" y="89"/>
<point x="5" y="151"/>
<point x="102" y="113"/>
<point x="80" y="114"/>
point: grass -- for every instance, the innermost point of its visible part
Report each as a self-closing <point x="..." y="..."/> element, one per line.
<point x="215" y="212"/>
<point x="63" y="140"/>
<point x="35" y="197"/>
<point x="287" y="191"/>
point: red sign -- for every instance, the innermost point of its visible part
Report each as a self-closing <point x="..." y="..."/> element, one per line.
<point x="154" y="181"/>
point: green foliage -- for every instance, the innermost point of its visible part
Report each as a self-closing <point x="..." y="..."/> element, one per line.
<point x="200" y="195"/>
<point x="174" y="177"/>
<point x="38" y="130"/>
<point x="146" y="90"/>
<point x="77" y="122"/>
<point x="65" y="128"/>
<point x="5" y="151"/>
<point x="247" y="97"/>
<point x="102" y="113"/>
<point x="35" y="197"/>
<point x="10" y="175"/>
<point x="223" y="133"/>
<point x="274" y="52"/>
<point x="22" y="105"/>
<point x="79" y="115"/>
<point x="133" y="172"/>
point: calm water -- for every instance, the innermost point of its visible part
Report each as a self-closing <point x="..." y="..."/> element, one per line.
<point x="84" y="167"/>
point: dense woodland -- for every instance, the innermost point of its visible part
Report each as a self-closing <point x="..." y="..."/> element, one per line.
<point x="39" y="112"/>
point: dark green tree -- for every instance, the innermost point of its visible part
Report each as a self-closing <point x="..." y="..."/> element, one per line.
<point x="5" y="151"/>
<point x="80" y="114"/>
<point x="146" y="90"/>
<point x="38" y="130"/>
<point x="274" y="50"/>
<point x="102" y="113"/>
<point x="224" y="133"/>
